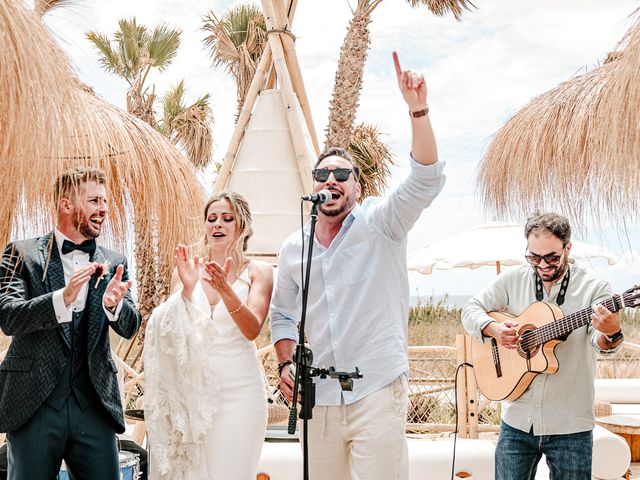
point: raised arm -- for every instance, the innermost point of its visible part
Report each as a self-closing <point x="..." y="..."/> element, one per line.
<point x="414" y="91"/>
<point x="250" y="316"/>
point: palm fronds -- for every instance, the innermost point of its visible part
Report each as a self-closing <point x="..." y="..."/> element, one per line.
<point x="442" y="7"/>
<point x="235" y="43"/>
<point x="188" y="126"/>
<point x="373" y="157"/>
<point x="163" y="46"/>
<point x="131" y="53"/>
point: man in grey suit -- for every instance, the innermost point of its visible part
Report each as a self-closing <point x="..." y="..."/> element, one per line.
<point x="59" y="294"/>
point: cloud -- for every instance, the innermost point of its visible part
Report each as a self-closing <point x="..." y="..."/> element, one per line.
<point x="479" y="72"/>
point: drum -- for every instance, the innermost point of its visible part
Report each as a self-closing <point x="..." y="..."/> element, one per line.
<point x="279" y="434"/>
<point x="129" y="467"/>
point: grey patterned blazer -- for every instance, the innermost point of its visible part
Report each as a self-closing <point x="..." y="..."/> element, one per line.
<point x="39" y="348"/>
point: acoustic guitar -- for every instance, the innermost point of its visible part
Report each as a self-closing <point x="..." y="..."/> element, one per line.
<point x="504" y="373"/>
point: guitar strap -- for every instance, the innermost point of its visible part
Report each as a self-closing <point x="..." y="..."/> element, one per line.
<point x="561" y="293"/>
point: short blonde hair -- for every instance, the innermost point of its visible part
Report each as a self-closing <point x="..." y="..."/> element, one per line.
<point x="69" y="181"/>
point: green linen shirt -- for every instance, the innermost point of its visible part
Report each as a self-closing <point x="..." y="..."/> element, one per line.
<point x="561" y="403"/>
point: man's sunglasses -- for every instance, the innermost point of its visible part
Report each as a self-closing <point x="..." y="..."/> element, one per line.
<point x="551" y="259"/>
<point x="340" y="174"/>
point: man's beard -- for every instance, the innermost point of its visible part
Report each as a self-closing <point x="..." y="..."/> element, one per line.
<point x="331" y="212"/>
<point x="82" y="226"/>
<point x="347" y="206"/>
<point x="560" y="271"/>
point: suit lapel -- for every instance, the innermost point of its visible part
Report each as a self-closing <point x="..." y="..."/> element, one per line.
<point x="54" y="276"/>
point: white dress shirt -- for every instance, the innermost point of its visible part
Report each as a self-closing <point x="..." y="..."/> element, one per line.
<point x="71" y="262"/>
<point x="359" y="289"/>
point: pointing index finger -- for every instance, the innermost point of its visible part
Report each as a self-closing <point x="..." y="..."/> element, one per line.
<point x="396" y="63"/>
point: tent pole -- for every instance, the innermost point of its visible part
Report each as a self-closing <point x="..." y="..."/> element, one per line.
<point x="293" y="66"/>
<point x="303" y="156"/>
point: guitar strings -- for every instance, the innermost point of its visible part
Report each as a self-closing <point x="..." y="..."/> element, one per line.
<point x="564" y="325"/>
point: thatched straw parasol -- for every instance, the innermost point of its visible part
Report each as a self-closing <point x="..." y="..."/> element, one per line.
<point x="48" y="122"/>
<point x="576" y="148"/>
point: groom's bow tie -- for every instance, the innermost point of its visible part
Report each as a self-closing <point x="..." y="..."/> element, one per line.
<point x="88" y="246"/>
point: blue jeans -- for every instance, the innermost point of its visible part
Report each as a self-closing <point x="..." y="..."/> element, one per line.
<point x="518" y="454"/>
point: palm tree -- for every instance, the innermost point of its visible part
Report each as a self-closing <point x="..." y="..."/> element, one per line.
<point x="50" y="123"/>
<point x="372" y="156"/>
<point x="348" y="83"/>
<point x="188" y="126"/>
<point x="235" y="42"/>
<point x="131" y="54"/>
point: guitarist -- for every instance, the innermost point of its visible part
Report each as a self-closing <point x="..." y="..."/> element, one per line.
<point x="554" y="416"/>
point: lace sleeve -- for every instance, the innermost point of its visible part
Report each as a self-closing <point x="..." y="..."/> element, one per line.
<point x="180" y="391"/>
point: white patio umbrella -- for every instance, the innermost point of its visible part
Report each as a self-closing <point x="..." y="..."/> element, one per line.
<point x="492" y="244"/>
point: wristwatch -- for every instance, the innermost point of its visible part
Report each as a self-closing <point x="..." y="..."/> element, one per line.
<point x="615" y="338"/>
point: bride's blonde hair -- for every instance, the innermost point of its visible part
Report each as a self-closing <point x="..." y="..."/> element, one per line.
<point x="242" y="215"/>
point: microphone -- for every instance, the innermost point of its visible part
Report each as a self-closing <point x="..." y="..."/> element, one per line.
<point x="319" y="198"/>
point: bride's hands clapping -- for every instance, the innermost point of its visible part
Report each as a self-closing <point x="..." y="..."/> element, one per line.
<point x="188" y="270"/>
<point x="217" y="275"/>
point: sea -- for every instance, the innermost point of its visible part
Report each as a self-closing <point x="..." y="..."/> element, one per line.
<point x="453" y="301"/>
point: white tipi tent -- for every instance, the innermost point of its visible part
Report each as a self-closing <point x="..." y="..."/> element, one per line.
<point x="274" y="144"/>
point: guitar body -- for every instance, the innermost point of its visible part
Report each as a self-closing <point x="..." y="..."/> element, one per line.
<point x="503" y="373"/>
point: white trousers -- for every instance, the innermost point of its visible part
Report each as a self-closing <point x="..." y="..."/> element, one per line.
<point x="362" y="441"/>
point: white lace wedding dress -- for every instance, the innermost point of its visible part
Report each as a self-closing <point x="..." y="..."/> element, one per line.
<point x="205" y="401"/>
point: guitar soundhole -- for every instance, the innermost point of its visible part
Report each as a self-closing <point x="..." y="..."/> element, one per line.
<point x="527" y="347"/>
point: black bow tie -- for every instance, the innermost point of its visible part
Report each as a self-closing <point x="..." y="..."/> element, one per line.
<point x="88" y="246"/>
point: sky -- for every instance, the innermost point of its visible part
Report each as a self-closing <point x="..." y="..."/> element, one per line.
<point x="479" y="72"/>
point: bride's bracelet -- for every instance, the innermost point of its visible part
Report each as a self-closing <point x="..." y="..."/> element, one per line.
<point x="237" y="309"/>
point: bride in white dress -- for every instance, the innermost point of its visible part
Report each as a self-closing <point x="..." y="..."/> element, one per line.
<point x="205" y="400"/>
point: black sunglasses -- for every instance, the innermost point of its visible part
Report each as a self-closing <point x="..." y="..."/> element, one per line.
<point x="340" y="174"/>
<point x="551" y="259"/>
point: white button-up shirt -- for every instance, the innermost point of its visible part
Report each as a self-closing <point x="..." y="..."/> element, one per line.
<point x="358" y="291"/>
<point x="71" y="262"/>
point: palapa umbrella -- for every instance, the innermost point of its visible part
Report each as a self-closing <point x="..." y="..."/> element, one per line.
<point x="490" y="244"/>
<point x="49" y="122"/>
<point x="575" y="148"/>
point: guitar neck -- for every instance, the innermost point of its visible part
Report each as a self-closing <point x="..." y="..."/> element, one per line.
<point x="564" y="326"/>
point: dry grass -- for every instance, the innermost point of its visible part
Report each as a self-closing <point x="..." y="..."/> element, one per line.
<point x="435" y="323"/>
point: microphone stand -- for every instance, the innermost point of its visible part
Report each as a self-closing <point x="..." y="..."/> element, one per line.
<point x="303" y="359"/>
